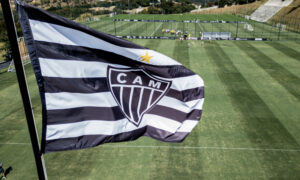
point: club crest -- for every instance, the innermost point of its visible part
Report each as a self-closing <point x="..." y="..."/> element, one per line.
<point x="135" y="91"/>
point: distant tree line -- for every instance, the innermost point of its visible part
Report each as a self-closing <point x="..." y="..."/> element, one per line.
<point x="73" y="8"/>
<point x="222" y="3"/>
<point x="170" y="7"/>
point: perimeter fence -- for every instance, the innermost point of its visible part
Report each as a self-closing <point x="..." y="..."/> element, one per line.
<point x="172" y="29"/>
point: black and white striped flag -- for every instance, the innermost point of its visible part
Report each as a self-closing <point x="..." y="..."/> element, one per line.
<point x="97" y="88"/>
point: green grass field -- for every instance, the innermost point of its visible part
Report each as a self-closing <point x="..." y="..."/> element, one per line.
<point x="252" y="30"/>
<point x="249" y="128"/>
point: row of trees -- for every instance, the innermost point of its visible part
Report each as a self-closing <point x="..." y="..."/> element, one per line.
<point x="77" y="7"/>
<point x="154" y="7"/>
<point x="169" y="7"/>
<point x="222" y="3"/>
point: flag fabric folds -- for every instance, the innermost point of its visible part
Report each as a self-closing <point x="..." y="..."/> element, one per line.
<point x="96" y="88"/>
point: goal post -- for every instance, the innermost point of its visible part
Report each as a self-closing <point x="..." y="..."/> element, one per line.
<point x="24" y="55"/>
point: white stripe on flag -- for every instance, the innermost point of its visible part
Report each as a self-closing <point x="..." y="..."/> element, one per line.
<point x="94" y="127"/>
<point x="63" y="100"/>
<point x="161" y="122"/>
<point x="91" y="127"/>
<point x="187" y="126"/>
<point x="185" y="107"/>
<point x="48" y="32"/>
<point x="74" y="69"/>
<point x="89" y="69"/>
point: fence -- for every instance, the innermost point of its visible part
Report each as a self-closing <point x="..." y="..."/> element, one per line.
<point x="24" y="56"/>
<point x="247" y="29"/>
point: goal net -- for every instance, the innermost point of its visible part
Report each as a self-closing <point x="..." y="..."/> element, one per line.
<point x="249" y="27"/>
<point x="215" y="35"/>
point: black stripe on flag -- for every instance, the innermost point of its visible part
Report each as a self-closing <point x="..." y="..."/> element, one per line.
<point x="94" y="85"/>
<point x="75" y="85"/>
<point x="63" y="116"/>
<point x="41" y="15"/>
<point x="187" y="95"/>
<point x="175" y="114"/>
<point x="84" y="113"/>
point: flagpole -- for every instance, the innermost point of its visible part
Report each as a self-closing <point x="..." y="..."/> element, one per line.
<point x="12" y="36"/>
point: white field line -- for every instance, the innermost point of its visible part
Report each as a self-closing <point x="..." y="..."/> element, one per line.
<point x="156" y="29"/>
<point x="183" y="147"/>
<point x="15" y="143"/>
<point x="203" y="147"/>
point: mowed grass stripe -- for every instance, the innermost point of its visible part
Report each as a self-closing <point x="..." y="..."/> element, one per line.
<point x="293" y="44"/>
<point x="275" y="70"/>
<point x="15" y="107"/>
<point x="282" y="59"/>
<point x="6" y="80"/>
<point x="181" y="52"/>
<point x="13" y="128"/>
<point x="157" y="31"/>
<point x="110" y="29"/>
<point x="287" y="62"/>
<point x="285" y="50"/>
<point x="140" y="28"/>
<point x="172" y="163"/>
<point x="282" y="103"/>
<point x="99" y="24"/>
<point x="262" y="127"/>
<point x="152" y="44"/>
<point x="202" y="27"/>
<point x="102" y="26"/>
<point x="124" y="28"/>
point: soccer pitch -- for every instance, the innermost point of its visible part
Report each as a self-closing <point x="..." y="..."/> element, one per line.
<point x="249" y="128"/>
<point x="243" y="29"/>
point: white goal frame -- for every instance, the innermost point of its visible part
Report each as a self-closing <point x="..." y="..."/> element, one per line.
<point x="24" y="55"/>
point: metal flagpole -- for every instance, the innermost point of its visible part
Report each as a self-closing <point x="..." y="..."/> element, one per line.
<point x="12" y="36"/>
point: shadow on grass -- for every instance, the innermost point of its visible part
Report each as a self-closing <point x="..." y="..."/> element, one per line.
<point x="152" y="44"/>
<point x="7" y="171"/>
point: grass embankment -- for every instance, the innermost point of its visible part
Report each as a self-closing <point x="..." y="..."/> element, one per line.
<point x="240" y="10"/>
<point x="290" y="16"/>
<point x="249" y="129"/>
